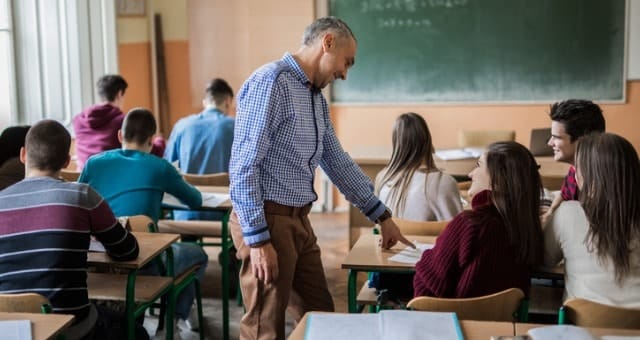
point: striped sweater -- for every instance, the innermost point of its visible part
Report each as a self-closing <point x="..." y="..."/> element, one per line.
<point x="45" y="228"/>
<point x="472" y="257"/>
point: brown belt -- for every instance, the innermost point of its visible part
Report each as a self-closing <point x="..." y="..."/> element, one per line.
<point x="274" y="208"/>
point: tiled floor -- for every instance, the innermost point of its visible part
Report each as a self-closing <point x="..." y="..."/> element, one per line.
<point x="332" y="232"/>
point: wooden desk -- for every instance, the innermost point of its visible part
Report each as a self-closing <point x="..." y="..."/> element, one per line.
<point x="367" y="256"/>
<point x="523" y="328"/>
<point x="372" y="160"/>
<point x="225" y="244"/>
<point x="43" y="326"/>
<point x="150" y="245"/>
<point x="471" y="330"/>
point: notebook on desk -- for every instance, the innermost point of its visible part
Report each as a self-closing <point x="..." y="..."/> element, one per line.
<point x="388" y="324"/>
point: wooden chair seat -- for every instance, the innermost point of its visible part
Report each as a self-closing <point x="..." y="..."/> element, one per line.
<point x="195" y="227"/>
<point x="112" y="287"/>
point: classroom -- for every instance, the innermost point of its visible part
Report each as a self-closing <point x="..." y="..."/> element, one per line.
<point x="53" y="53"/>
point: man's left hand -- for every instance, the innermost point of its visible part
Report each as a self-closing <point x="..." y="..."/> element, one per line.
<point x="391" y="235"/>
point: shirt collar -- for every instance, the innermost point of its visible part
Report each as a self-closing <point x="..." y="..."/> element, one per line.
<point x="211" y="111"/>
<point x="296" y="69"/>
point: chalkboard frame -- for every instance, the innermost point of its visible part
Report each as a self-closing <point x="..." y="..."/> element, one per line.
<point x="324" y="8"/>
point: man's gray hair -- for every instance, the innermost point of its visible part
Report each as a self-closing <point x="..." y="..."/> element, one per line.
<point x="323" y="25"/>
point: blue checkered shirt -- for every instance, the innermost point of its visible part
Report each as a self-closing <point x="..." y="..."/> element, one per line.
<point x="282" y="133"/>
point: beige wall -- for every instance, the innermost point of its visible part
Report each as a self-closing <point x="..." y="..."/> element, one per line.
<point x="135" y="58"/>
<point x="230" y="39"/>
<point x="361" y="127"/>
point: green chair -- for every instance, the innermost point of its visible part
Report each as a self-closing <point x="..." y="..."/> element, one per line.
<point x="144" y="223"/>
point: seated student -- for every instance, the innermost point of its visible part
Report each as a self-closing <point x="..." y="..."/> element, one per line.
<point x="133" y="182"/>
<point x="96" y="127"/>
<point x="45" y="225"/>
<point x="492" y="247"/>
<point x="411" y="185"/>
<point x="570" y="120"/>
<point x="201" y="143"/>
<point x="599" y="236"/>
<point x="11" y="141"/>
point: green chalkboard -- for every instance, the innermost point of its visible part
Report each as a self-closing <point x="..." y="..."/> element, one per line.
<point x="483" y="50"/>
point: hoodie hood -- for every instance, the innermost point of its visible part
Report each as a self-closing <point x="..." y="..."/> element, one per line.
<point x="99" y="115"/>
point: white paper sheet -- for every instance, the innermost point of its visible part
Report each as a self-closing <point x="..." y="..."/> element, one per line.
<point x="209" y="200"/>
<point x="15" y="329"/>
<point x="342" y="326"/>
<point x="388" y="324"/>
<point x="561" y="332"/>
<point x="457" y="154"/>
<point x="410" y="255"/>
<point x="95" y="245"/>
<point x="402" y="324"/>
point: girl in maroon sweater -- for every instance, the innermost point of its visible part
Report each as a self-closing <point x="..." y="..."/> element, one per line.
<point x="493" y="246"/>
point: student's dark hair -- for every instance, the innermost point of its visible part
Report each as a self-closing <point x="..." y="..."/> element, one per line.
<point x="579" y="117"/>
<point x="109" y="85"/>
<point x="218" y="91"/>
<point x="11" y="140"/>
<point x="610" y="197"/>
<point x="516" y="189"/>
<point x="323" y="25"/>
<point x="47" y="145"/>
<point x="138" y="126"/>
<point x="412" y="149"/>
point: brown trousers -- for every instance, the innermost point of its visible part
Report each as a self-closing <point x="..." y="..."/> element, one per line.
<point x="300" y="270"/>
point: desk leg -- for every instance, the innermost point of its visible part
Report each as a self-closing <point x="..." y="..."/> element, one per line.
<point x="225" y="276"/>
<point x="171" y="301"/>
<point x="351" y="290"/>
<point x="130" y="304"/>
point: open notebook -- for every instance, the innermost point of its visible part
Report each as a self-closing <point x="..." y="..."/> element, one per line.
<point x="388" y="324"/>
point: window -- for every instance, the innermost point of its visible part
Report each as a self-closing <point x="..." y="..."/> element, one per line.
<point x="7" y="78"/>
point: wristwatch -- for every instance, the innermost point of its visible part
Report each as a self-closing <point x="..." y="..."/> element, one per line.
<point x="385" y="216"/>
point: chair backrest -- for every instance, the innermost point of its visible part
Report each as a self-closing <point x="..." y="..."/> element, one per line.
<point x="142" y="223"/>
<point x="69" y="176"/>
<point x="217" y="179"/>
<point x="587" y="313"/>
<point x="23" y="303"/>
<point x="501" y="306"/>
<point x="421" y="228"/>
<point x="482" y="138"/>
<point x="538" y="142"/>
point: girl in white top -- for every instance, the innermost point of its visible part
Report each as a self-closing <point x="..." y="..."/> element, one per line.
<point x="599" y="236"/>
<point x="411" y="185"/>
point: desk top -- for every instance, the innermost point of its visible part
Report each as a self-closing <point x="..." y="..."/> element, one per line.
<point x="151" y="244"/>
<point x="522" y="328"/>
<point x="461" y="167"/>
<point x="43" y="326"/>
<point x="472" y="330"/>
<point x="366" y="255"/>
